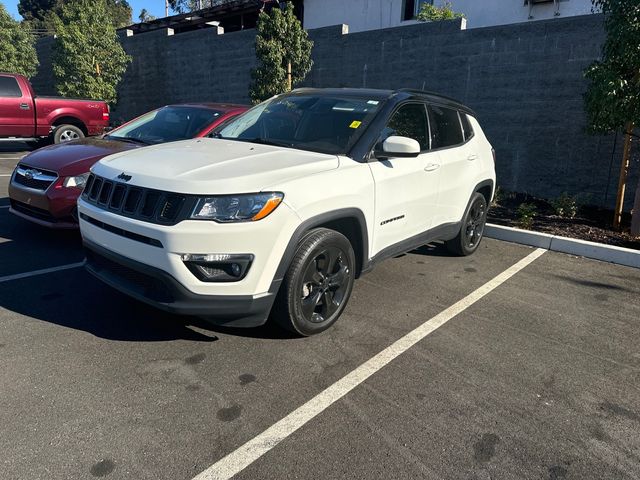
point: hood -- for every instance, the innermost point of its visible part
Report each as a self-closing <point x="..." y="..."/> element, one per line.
<point x="213" y="166"/>
<point x="75" y="157"/>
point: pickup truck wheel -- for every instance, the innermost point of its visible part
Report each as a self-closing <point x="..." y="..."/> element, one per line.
<point x="472" y="228"/>
<point x="318" y="284"/>
<point x="66" y="133"/>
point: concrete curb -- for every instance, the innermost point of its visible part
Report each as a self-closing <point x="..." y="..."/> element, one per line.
<point x="572" y="246"/>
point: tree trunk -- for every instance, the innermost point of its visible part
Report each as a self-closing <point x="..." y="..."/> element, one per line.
<point x="635" y="217"/>
<point x="289" y="77"/>
<point x="624" y="172"/>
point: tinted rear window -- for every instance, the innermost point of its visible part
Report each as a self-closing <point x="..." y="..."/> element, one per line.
<point x="466" y="126"/>
<point x="9" y="87"/>
<point x="445" y="127"/>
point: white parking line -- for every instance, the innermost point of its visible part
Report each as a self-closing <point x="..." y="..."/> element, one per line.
<point x="248" y="453"/>
<point x="5" y="206"/>
<point x="44" y="271"/>
<point x="5" y="174"/>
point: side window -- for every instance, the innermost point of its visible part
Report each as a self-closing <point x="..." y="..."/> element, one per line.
<point x="409" y="121"/>
<point x="467" y="129"/>
<point x="9" y="87"/>
<point x="445" y="127"/>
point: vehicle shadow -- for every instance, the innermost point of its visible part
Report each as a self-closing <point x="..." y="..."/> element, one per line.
<point x="74" y="299"/>
<point x="436" y="249"/>
<point x="16" y="147"/>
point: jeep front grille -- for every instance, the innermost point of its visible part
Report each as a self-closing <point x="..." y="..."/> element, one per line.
<point x="144" y="204"/>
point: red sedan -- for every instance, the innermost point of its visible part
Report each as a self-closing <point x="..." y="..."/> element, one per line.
<point x="46" y="183"/>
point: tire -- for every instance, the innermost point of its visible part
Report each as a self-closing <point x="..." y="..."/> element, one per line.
<point x="318" y="284"/>
<point x="472" y="229"/>
<point x="66" y="133"/>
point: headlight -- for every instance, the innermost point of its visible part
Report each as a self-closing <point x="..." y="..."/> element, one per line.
<point x="237" y="208"/>
<point x="77" y="181"/>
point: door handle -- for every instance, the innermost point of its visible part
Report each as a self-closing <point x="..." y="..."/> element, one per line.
<point x="24" y="106"/>
<point x="473" y="157"/>
<point x="431" y="167"/>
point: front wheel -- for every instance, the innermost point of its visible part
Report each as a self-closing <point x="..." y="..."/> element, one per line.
<point x="66" y="133"/>
<point x="472" y="228"/>
<point x="318" y="284"/>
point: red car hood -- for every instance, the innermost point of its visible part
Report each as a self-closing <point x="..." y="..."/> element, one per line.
<point x="76" y="157"/>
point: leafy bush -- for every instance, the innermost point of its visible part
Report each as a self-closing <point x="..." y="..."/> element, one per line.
<point x="565" y="206"/>
<point x="526" y="213"/>
<point x="431" y="13"/>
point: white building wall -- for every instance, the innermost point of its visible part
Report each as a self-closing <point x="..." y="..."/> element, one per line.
<point x="358" y="14"/>
<point x="374" y="14"/>
<point x="485" y="13"/>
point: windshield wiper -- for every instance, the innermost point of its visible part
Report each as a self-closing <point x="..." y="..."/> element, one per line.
<point x="264" y="141"/>
<point x="128" y="139"/>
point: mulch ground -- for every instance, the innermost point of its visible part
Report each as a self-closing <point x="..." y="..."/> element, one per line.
<point x="590" y="223"/>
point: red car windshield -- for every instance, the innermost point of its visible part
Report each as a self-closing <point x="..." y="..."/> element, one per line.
<point x="167" y="124"/>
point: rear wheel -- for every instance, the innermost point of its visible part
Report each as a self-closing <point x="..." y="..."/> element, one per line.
<point x="66" y="133"/>
<point x="318" y="284"/>
<point x="472" y="228"/>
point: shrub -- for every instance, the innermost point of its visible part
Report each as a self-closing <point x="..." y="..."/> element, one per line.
<point x="526" y="213"/>
<point x="565" y="206"/>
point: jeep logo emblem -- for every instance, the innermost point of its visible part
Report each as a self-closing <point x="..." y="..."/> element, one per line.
<point x="124" y="176"/>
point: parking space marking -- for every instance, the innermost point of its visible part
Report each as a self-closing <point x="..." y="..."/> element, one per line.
<point x="251" y="451"/>
<point x="44" y="271"/>
<point x="5" y="206"/>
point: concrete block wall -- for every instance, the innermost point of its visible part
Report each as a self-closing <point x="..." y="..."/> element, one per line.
<point x="525" y="81"/>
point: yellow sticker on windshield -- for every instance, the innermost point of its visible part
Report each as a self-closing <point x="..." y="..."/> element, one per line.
<point x="355" y="124"/>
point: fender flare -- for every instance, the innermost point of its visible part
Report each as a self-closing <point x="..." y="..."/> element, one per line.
<point x="485" y="183"/>
<point x="311" y="223"/>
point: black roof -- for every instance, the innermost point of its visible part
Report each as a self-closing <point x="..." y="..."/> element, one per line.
<point x="382" y="94"/>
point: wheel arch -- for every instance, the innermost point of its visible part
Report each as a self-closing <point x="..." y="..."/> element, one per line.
<point x="348" y="221"/>
<point x="69" y="120"/>
<point x="486" y="188"/>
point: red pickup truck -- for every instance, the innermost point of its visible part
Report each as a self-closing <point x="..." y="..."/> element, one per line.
<point x="23" y="116"/>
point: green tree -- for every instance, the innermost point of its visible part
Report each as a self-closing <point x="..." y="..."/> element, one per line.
<point x="17" y="51"/>
<point x="145" y="16"/>
<point x="612" y="101"/>
<point x="35" y="9"/>
<point x="431" y="13"/>
<point x="88" y="60"/>
<point x="280" y="41"/>
<point x="120" y="12"/>
<point x="40" y="14"/>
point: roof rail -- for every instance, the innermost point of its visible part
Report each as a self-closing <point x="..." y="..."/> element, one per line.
<point x="426" y="92"/>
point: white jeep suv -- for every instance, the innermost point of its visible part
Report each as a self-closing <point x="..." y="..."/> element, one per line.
<point x="288" y="204"/>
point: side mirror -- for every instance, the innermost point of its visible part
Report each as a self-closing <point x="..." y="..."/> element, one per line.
<point x="395" y="146"/>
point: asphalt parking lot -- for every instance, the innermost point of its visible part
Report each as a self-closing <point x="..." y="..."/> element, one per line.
<point x="537" y="378"/>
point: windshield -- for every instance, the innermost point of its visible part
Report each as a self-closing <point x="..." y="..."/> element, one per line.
<point x="326" y="124"/>
<point x="167" y="124"/>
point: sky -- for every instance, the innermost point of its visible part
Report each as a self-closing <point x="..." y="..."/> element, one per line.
<point x="154" y="7"/>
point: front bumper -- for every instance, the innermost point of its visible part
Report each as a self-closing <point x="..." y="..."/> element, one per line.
<point x="156" y="252"/>
<point x="53" y="208"/>
<point x="159" y="289"/>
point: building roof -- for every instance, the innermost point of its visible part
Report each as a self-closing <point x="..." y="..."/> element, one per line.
<point x="232" y="15"/>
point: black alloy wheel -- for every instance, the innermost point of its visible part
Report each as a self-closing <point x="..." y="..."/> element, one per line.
<point x="475" y="222"/>
<point x="472" y="228"/>
<point x="318" y="283"/>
